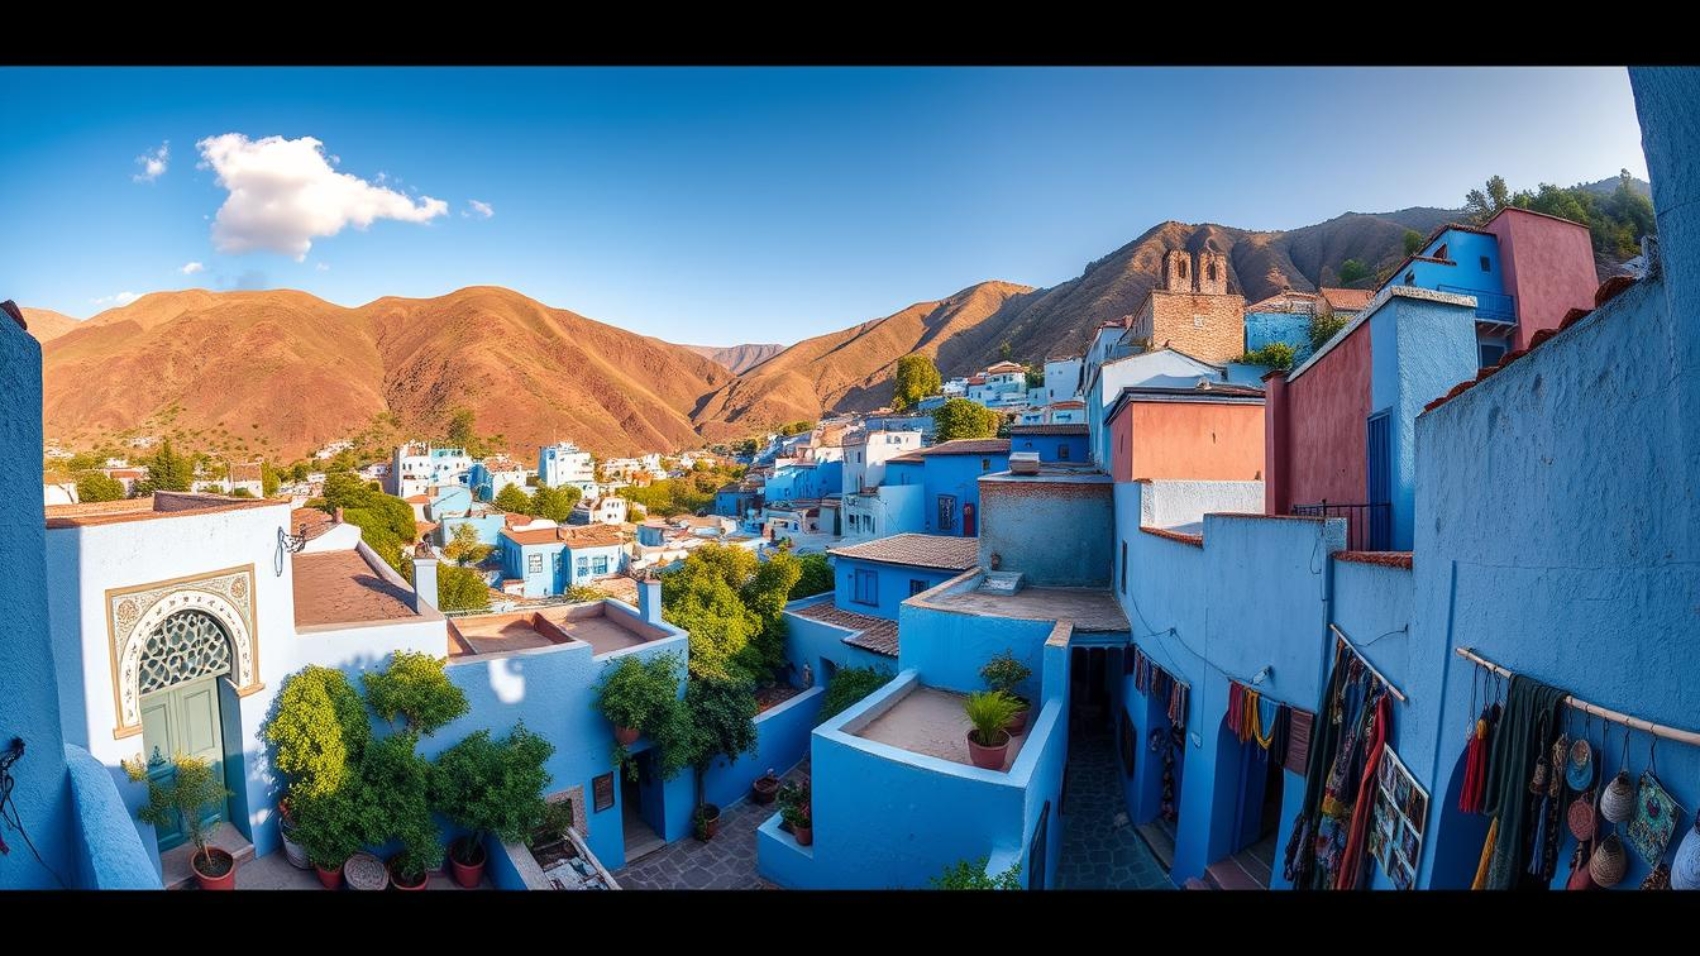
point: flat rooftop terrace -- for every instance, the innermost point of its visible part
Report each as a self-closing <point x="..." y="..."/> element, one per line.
<point x="523" y="630"/>
<point x="930" y="721"/>
<point x="1090" y="609"/>
<point x="164" y="504"/>
<point x="339" y="587"/>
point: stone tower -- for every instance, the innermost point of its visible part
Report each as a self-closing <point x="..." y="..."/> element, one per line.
<point x="1177" y="271"/>
<point x="1211" y="273"/>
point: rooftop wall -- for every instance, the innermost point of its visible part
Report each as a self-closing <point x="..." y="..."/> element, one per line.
<point x="1055" y="531"/>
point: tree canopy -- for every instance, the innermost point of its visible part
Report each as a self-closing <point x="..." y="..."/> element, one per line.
<point x="95" y="486"/>
<point x="513" y="498"/>
<point x="1352" y="270"/>
<point x="464" y="546"/>
<point x="461" y="589"/>
<point x="1616" y="220"/>
<point x="385" y="521"/>
<point x="732" y="605"/>
<point x="167" y="471"/>
<point x="961" y="418"/>
<point x="917" y="377"/>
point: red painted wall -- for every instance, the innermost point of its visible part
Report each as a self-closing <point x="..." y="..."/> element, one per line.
<point x="1548" y="265"/>
<point x="1199" y="441"/>
<point x="1316" y="433"/>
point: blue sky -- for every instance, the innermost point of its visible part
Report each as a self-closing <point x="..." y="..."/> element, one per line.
<point x="731" y="205"/>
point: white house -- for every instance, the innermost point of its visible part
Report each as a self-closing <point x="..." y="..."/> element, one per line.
<point x="865" y="455"/>
<point x="608" y="509"/>
<point x="564" y="463"/>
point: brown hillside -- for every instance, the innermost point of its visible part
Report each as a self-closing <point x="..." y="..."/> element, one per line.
<point x="306" y="371"/>
<point x="738" y="358"/>
<point x="47" y="325"/>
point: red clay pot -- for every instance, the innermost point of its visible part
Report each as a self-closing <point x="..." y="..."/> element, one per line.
<point x="400" y="884"/>
<point x="764" y="790"/>
<point x="710" y="821"/>
<point x="329" y="879"/>
<point x="224" y="882"/>
<point x="468" y="876"/>
<point x="805" y="835"/>
<point x="988" y="758"/>
<point x="626" y="736"/>
<point x="1018" y="723"/>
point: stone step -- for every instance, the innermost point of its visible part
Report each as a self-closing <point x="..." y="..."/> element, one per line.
<point x="1194" y="883"/>
<point x="174" y="863"/>
<point x="1228" y="874"/>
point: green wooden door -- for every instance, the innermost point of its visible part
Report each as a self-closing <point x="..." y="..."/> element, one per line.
<point x="183" y="720"/>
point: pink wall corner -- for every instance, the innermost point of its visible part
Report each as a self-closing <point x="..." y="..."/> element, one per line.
<point x="1548" y="265"/>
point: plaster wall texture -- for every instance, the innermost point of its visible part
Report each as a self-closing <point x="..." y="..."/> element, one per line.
<point x="31" y="706"/>
<point x="1548" y="266"/>
<point x="111" y="855"/>
<point x="1071" y="448"/>
<point x="1317" y="446"/>
<point x="1181" y="505"/>
<point x="891" y="509"/>
<point x="1288" y="328"/>
<point x="1160" y="367"/>
<point x="812" y="642"/>
<point x="892" y="584"/>
<point x="1056" y="533"/>
<point x="959" y="477"/>
<point x="947" y="648"/>
<point x="489" y="528"/>
<point x="782" y="739"/>
<point x="1187" y="439"/>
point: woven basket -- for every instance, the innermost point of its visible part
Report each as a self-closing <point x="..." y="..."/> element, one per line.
<point x="1617" y="804"/>
<point x="1659" y="879"/>
<point x="365" y="872"/>
<point x="1685" y="869"/>
<point x="1608" y="863"/>
<point x="1582" y="820"/>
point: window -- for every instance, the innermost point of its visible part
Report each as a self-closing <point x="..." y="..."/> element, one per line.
<point x="1210" y="271"/>
<point x="1486" y="265"/>
<point x="1062" y="451"/>
<point x="583" y="567"/>
<point x="985" y="464"/>
<point x="866" y="588"/>
<point x="1491" y="353"/>
<point x="1441" y="252"/>
<point x="1182" y="264"/>
<point x="1410" y="277"/>
<point x="555" y="562"/>
<point x="947" y="513"/>
<point x="599" y="564"/>
<point x="858" y="458"/>
<point x="1124" y="566"/>
<point x="916" y="586"/>
<point x="533" y="563"/>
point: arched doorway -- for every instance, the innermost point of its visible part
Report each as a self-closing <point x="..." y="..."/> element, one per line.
<point x="181" y="660"/>
<point x="970" y="527"/>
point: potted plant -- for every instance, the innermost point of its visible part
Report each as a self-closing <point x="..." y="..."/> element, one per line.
<point x="796" y="811"/>
<point x="317" y="734"/>
<point x="1003" y="672"/>
<point x="990" y="711"/>
<point x="765" y="788"/>
<point x="415" y="690"/>
<point x="637" y="695"/>
<point x="330" y="829"/>
<point x="184" y="799"/>
<point x="293" y="850"/>
<point x="491" y="789"/>
<point x="397" y="784"/>
<point x="717" y="721"/>
<point x="965" y="875"/>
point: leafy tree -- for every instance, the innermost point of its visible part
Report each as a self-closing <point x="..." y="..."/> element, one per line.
<point x="167" y="471"/>
<point x="849" y="685"/>
<point x="461" y="589"/>
<point x="1323" y="327"/>
<point x="396" y="789"/>
<point x="1035" y="376"/>
<point x="299" y="471"/>
<point x="512" y="499"/>
<point x="320" y="732"/>
<point x="702" y="596"/>
<point x="766" y="593"/>
<point x="1481" y="206"/>
<point x="1413" y="242"/>
<point x="747" y="447"/>
<point x="791" y="428"/>
<point x="556" y="504"/>
<point x="268" y="479"/>
<point x="965" y="875"/>
<point x="961" y="418"/>
<point x="1005" y="350"/>
<point x="464" y="546"/>
<point x="386" y="522"/>
<point x="1274" y="355"/>
<point x="241" y="493"/>
<point x="94" y="486"/>
<point x="816" y="576"/>
<point x="492" y="788"/>
<point x="463" y="427"/>
<point x="917" y="377"/>
<point x="583" y="594"/>
<point x="1351" y="271"/>
<point x="716" y="722"/>
<point x="414" y="689"/>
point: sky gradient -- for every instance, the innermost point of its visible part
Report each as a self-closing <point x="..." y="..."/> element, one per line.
<point x="716" y="206"/>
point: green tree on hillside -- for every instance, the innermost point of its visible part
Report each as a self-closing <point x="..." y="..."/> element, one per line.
<point x="1480" y="205"/>
<point x="1323" y="327"/>
<point x="94" y="486"/>
<point x="554" y="503"/>
<point x="961" y="418"/>
<point x="268" y="479"/>
<point x="1413" y="242"/>
<point x="386" y="522"/>
<point x="1351" y="271"/>
<point x="1616" y="221"/>
<point x="167" y="471"/>
<point x="917" y="377"/>
<point x="512" y="499"/>
<point x="1005" y="351"/>
<point x="732" y="605"/>
<point x="463" y="427"/>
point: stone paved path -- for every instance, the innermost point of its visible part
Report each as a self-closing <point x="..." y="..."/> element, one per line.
<point x="727" y="862"/>
<point x="1098" y="854"/>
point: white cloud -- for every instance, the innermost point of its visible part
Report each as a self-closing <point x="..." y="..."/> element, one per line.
<point x="153" y="163"/>
<point x="478" y="210"/>
<point x="283" y="194"/>
<point x="119" y="300"/>
<point x="190" y="268"/>
<point x="323" y="267"/>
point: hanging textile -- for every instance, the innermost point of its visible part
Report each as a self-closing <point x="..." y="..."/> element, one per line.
<point x="1525" y="735"/>
<point x="1264" y="731"/>
<point x="1300" y="724"/>
<point x="1353" y="873"/>
<point x="1177" y="704"/>
<point x="1236" y="710"/>
<point x="1141" y="671"/>
<point x="1316" y="740"/>
<point x="1340" y="793"/>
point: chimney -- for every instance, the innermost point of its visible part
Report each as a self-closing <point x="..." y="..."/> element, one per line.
<point x="339" y="514"/>
<point x="649" y="598"/>
<point x="424" y="579"/>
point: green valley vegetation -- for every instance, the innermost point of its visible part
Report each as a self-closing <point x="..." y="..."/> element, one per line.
<point x="167" y="471"/>
<point x="385" y="521"/>
<point x="95" y="486"/>
<point x="849" y="685"/>
<point x="732" y="604"/>
<point x="961" y="418"/>
<point x="1616" y="220"/>
<point x="463" y="434"/>
<point x="556" y="504"/>
<point x="816" y="576"/>
<point x="917" y="378"/>
<point x="689" y="494"/>
<point x="1274" y="355"/>
<point x="461" y="589"/>
<point x="1352" y="270"/>
<point x="1413" y="242"/>
<point x="795" y="428"/>
<point x="464" y="548"/>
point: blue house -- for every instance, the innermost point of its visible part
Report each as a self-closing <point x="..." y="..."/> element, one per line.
<point x="734" y="500"/>
<point x="1058" y="443"/>
<point x="805" y="481"/>
<point x="551" y="560"/>
<point x="877" y="576"/>
<point x="487" y="525"/>
<point x="1282" y="318"/>
<point x="447" y="500"/>
<point x="951" y="482"/>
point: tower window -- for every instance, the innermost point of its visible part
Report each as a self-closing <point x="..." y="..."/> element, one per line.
<point x="1210" y="271"/>
<point x="1486" y="265"/>
<point x="1181" y="264"/>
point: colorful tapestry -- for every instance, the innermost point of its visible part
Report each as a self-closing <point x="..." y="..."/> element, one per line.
<point x="1656" y="813"/>
<point x="1396" y="830"/>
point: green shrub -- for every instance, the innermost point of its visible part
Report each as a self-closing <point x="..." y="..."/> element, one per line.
<point x="333" y="827"/>
<point x="989" y="711"/>
<point x="848" y="686"/>
<point x="1274" y="355"/>
<point x="492" y="788"/>
<point x="396" y="794"/>
<point x="183" y="800"/>
<point x="461" y="589"/>
<point x="94" y="486"/>
<point x="639" y="693"/>
<point x="584" y="593"/>
<point x="965" y="875"/>
<point x="320" y="731"/>
<point x="1003" y="672"/>
<point x="415" y="689"/>
<point x="815" y="579"/>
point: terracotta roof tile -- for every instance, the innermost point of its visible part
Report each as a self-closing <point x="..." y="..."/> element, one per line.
<point x="589" y="536"/>
<point x="1388" y="559"/>
<point x="875" y="634"/>
<point x="312" y="520"/>
<point x="967" y="446"/>
<point x="339" y="587"/>
<point x="943" y="551"/>
<point x="1540" y="337"/>
<point x="1611" y="289"/>
<point x="1196" y="540"/>
<point x="1347" y="300"/>
<point x="1572" y="317"/>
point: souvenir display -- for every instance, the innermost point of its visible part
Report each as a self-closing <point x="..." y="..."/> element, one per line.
<point x="1656" y="813"/>
<point x="1401" y="812"/>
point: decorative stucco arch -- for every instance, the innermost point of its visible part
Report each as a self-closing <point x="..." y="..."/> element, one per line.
<point x="133" y="613"/>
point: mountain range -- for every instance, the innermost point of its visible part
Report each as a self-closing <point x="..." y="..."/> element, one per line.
<point x="283" y="372"/>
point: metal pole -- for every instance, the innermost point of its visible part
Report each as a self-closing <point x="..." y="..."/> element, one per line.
<point x="1634" y="723"/>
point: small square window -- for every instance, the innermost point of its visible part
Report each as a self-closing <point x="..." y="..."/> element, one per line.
<point x="1486" y="265"/>
<point x="985" y="464"/>
<point x="916" y="587"/>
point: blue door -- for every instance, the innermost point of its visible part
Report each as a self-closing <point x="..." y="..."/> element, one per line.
<point x="1379" y="446"/>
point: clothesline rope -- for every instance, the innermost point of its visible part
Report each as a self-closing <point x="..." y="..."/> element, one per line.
<point x="1633" y="723"/>
<point x="1396" y="693"/>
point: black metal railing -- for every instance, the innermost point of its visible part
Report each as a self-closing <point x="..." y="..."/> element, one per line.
<point x="1369" y="527"/>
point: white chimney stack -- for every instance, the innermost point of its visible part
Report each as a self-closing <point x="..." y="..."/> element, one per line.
<point x="649" y="598"/>
<point x="424" y="579"/>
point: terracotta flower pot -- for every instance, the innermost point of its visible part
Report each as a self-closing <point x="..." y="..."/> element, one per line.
<point x="626" y="736"/>
<point x="707" y="822"/>
<point x="1018" y="724"/>
<point x="805" y="835"/>
<point x="218" y="874"/>
<point x="329" y="879"/>
<point x="764" y="790"/>
<point x="468" y="875"/>
<point x="988" y="758"/>
<point x="400" y="882"/>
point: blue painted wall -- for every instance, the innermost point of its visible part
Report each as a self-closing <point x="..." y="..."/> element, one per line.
<point x="1289" y="328"/>
<point x="489" y="528"/>
<point x="782" y="739"/>
<point x="1051" y="447"/>
<point x="547" y="580"/>
<point x="813" y="643"/>
<point x="1056" y="532"/>
<point x="957" y="475"/>
<point x="947" y="648"/>
<point x="892" y="584"/>
<point x="905" y="472"/>
<point x="450" y="499"/>
<point x="28" y="689"/>
<point x="110" y="851"/>
<point x="733" y="504"/>
<point x="1419" y="349"/>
